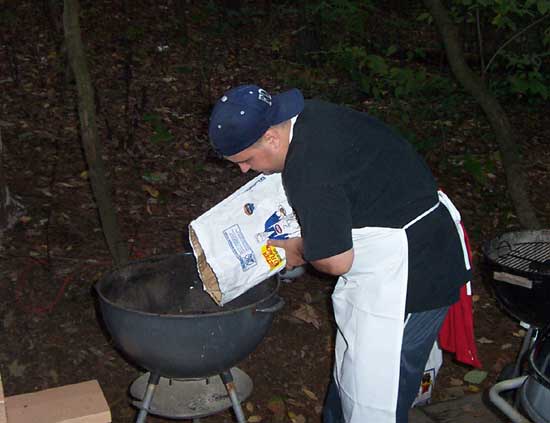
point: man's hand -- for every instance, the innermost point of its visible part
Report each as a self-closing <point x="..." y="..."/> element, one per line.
<point x="336" y="265"/>
<point x="294" y="250"/>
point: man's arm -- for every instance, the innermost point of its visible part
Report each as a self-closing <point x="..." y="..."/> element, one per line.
<point x="294" y="248"/>
<point x="336" y="265"/>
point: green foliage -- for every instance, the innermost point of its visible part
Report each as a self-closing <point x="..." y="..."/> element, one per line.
<point x="378" y="76"/>
<point x="160" y="132"/>
<point x="311" y="81"/>
<point x="402" y="126"/>
<point x="400" y="75"/>
<point x="135" y="33"/>
<point x="475" y="167"/>
<point x="385" y="73"/>
<point x="527" y="77"/>
<point x="546" y="37"/>
<point x="155" y="177"/>
<point x="184" y="69"/>
<point x="200" y="15"/>
<point x="348" y="14"/>
<point x="520" y="64"/>
<point x="7" y="17"/>
<point x="346" y="46"/>
<point x="504" y="14"/>
<point x="425" y="17"/>
<point x="479" y="167"/>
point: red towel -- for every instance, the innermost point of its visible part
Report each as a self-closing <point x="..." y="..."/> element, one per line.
<point x="457" y="332"/>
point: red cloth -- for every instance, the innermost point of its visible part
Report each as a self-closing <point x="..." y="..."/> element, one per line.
<point x="457" y="332"/>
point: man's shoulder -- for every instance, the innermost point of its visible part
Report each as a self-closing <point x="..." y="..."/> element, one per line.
<point x="322" y="106"/>
<point x="324" y="117"/>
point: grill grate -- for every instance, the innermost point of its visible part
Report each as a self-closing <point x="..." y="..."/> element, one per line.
<point x="532" y="257"/>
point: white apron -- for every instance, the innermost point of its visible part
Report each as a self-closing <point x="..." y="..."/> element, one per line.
<point x="369" y="309"/>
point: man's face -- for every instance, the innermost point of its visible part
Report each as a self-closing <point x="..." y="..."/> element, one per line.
<point x="263" y="157"/>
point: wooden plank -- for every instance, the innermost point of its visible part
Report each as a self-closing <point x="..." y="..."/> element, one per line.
<point x="79" y="403"/>
<point x="3" y="416"/>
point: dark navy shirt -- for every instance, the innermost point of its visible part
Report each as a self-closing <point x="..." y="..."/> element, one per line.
<point x="345" y="170"/>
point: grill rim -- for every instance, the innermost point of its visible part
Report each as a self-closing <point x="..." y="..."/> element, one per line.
<point x="491" y="252"/>
<point x="524" y="254"/>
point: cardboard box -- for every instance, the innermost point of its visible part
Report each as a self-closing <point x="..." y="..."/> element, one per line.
<point x="79" y="403"/>
<point x="3" y="416"/>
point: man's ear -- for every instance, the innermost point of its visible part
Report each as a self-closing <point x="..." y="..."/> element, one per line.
<point x="273" y="138"/>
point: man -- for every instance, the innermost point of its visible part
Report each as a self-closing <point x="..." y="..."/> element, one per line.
<point x="369" y="212"/>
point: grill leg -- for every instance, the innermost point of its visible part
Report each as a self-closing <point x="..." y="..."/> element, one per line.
<point x="525" y="345"/>
<point x="227" y="379"/>
<point x="147" y="398"/>
<point x="528" y="339"/>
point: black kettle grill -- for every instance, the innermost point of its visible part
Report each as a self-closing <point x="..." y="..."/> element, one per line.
<point x="162" y="320"/>
<point x="518" y="264"/>
<point x="520" y="267"/>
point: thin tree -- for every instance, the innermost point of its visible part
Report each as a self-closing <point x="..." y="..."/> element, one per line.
<point x="511" y="161"/>
<point x="88" y="129"/>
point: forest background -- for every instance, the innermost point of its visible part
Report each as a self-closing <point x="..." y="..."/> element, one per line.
<point x="104" y="110"/>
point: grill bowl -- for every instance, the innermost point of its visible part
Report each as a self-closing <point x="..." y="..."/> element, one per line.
<point x="161" y="320"/>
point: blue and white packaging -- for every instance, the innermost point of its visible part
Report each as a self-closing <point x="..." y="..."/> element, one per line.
<point x="229" y="240"/>
<point x="435" y="360"/>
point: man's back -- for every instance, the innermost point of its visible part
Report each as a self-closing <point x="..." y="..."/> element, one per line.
<point x="347" y="170"/>
<point x="388" y="182"/>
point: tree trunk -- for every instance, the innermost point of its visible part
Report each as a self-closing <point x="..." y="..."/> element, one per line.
<point x="88" y="129"/>
<point x="10" y="209"/>
<point x="517" y="186"/>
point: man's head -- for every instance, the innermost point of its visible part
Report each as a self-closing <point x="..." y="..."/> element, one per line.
<point x="251" y="128"/>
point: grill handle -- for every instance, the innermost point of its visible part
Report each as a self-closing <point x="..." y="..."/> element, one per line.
<point x="540" y="266"/>
<point x="278" y="305"/>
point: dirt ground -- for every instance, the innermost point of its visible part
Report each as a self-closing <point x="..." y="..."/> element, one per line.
<point x="154" y="89"/>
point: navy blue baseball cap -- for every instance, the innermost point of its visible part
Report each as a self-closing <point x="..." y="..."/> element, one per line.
<point x="243" y="114"/>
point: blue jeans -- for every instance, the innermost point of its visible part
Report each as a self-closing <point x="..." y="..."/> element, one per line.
<point x="418" y="338"/>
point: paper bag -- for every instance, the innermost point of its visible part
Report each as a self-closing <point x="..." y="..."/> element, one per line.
<point x="229" y="240"/>
<point x="435" y="360"/>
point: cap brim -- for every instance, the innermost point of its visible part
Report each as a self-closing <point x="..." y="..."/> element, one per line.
<point x="286" y="105"/>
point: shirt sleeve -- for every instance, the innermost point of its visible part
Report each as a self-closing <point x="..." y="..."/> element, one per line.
<point x="325" y="220"/>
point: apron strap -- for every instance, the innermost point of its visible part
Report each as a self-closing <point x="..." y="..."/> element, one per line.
<point x="421" y="216"/>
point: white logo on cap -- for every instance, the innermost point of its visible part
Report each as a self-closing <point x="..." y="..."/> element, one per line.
<point x="264" y="96"/>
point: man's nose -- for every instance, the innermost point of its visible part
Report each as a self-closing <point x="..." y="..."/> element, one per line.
<point x="244" y="167"/>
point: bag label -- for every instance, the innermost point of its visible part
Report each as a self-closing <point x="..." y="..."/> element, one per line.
<point x="240" y="247"/>
<point x="271" y="256"/>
